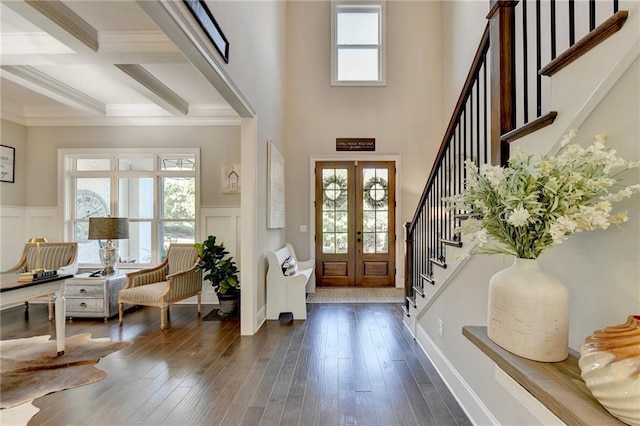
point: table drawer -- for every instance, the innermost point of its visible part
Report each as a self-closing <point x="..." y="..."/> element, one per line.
<point x="84" y="290"/>
<point x="84" y="305"/>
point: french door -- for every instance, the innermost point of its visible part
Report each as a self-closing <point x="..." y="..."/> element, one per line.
<point x="355" y="223"/>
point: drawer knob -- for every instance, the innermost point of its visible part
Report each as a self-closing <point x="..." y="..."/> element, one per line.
<point x="83" y="305"/>
<point x="83" y="291"/>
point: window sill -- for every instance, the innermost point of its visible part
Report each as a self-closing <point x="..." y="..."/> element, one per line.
<point x="557" y="385"/>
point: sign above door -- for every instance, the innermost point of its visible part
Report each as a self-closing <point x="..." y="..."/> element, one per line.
<point x="355" y="144"/>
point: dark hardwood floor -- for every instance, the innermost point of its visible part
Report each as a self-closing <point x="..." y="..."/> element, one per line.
<point x="348" y="364"/>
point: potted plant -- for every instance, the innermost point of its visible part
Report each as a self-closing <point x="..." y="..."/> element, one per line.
<point x="220" y="269"/>
<point x="525" y="208"/>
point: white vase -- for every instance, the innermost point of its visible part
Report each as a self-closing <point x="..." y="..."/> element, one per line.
<point x="529" y="312"/>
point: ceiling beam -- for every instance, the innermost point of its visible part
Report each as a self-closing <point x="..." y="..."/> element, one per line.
<point x="41" y="83"/>
<point x="58" y="20"/>
<point x="154" y="89"/>
<point x="178" y="24"/>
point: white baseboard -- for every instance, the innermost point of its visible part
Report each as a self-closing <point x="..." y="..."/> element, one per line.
<point x="477" y="412"/>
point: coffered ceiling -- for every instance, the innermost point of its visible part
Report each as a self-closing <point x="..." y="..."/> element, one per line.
<point x="98" y="62"/>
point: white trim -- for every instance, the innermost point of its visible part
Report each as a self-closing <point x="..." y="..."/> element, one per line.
<point x="250" y="318"/>
<point x="470" y="403"/>
<point x="398" y="214"/>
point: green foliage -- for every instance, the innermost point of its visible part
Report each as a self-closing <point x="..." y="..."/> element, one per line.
<point x="220" y="269"/>
<point x="539" y="201"/>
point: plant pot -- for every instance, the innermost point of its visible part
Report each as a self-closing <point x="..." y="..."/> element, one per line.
<point x="529" y="312"/>
<point x="228" y="304"/>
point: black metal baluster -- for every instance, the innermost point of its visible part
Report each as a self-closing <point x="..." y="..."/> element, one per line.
<point x="554" y="29"/>
<point x="592" y="15"/>
<point x="525" y="64"/>
<point x="538" y="61"/>
<point x="572" y="22"/>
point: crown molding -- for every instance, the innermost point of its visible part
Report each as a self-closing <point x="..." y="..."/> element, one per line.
<point x="41" y="83"/>
<point x="125" y="121"/>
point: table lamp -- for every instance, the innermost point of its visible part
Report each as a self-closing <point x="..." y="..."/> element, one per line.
<point x="108" y="228"/>
<point x="37" y="241"/>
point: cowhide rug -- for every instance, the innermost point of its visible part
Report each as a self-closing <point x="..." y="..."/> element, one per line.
<point x="30" y="367"/>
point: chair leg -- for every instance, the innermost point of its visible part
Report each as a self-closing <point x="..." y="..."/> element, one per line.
<point x="163" y="318"/>
<point x="120" y="313"/>
<point x="199" y="301"/>
<point x="50" y="300"/>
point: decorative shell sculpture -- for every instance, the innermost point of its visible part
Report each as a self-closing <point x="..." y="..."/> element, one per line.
<point x="610" y="366"/>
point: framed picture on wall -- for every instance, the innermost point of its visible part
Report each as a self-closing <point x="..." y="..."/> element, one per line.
<point x="275" y="197"/>
<point x="7" y="164"/>
<point x="208" y="23"/>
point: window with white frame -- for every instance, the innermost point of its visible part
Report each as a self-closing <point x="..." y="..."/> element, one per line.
<point x="358" y="48"/>
<point x="155" y="190"/>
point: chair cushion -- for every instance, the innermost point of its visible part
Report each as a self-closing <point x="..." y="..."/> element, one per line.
<point x="149" y="293"/>
<point x="181" y="258"/>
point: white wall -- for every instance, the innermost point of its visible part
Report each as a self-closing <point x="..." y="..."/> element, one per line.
<point x="463" y="23"/>
<point x="218" y="144"/>
<point x="14" y="135"/>
<point x="257" y="33"/>
<point x="404" y="117"/>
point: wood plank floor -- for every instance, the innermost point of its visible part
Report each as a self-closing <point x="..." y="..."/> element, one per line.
<point x="348" y="364"/>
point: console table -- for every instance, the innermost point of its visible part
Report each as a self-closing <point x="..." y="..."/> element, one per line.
<point x="13" y="291"/>
<point x="94" y="297"/>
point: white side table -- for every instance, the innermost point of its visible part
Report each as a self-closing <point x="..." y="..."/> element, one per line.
<point x="93" y="297"/>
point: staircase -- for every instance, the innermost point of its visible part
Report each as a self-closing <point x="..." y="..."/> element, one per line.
<point x="514" y="94"/>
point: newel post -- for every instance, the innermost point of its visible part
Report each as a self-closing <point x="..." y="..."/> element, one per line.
<point x="503" y="89"/>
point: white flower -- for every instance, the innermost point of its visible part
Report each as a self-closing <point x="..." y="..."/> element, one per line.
<point x="481" y="237"/>
<point x="519" y="216"/>
<point x="553" y="195"/>
<point x="619" y="217"/>
<point x="494" y="174"/>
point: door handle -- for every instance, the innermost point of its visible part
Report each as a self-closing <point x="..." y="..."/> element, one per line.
<point x="359" y="232"/>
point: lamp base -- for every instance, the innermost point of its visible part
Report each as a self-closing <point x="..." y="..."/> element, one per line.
<point x="109" y="257"/>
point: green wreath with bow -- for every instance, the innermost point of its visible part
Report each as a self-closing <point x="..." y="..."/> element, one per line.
<point x="372" y="189"/>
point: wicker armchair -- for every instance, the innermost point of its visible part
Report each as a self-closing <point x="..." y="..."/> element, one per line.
<point x="175" y="279"/>
<point x="62" y="257"/>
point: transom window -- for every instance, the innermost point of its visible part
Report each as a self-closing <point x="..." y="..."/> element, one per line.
<point x="155" y="191"/>
<point x="358" y="57"/>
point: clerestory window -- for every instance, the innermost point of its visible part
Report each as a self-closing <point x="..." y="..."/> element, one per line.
<point x="358" y="57"/>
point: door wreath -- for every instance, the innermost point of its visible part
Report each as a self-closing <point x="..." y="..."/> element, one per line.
<point x="376" y="192"/>
<point x="334" y="189"/>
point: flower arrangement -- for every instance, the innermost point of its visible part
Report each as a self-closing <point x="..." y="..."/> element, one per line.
<point x="536" y="202"/>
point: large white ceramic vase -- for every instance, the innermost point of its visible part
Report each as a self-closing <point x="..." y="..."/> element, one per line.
<point x="529" y="312"/>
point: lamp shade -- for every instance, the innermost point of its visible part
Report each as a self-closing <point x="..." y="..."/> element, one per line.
<point x="37" y="240"/>
<point x="108" y="228"/>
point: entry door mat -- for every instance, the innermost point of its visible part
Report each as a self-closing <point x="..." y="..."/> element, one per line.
<point x="356" y="295"/>
<point x="216" y="315"/>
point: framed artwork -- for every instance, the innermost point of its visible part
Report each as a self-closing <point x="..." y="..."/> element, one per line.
<point x="7" y="164"/>
<point x="203" y="15"/>
<point x="230" y="178"/>
<point x="275" y="196"/>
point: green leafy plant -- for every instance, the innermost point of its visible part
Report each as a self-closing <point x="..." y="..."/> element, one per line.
<point x="220" y="268"/>
<point x="537" y="202"/>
